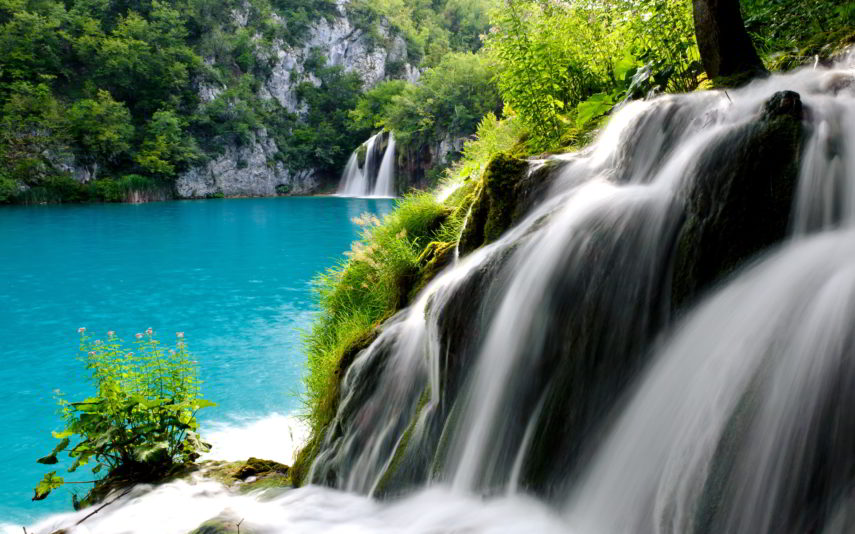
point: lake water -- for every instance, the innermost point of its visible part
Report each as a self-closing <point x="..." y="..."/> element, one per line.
<point x="233" y="275"/>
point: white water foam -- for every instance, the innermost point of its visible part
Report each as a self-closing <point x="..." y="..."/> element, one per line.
<point x="274" y="437"/>
<point x="180" y="507"/>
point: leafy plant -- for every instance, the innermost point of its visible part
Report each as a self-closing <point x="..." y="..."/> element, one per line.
<point x="141" y="422"/>
<point x="552" y="56"/>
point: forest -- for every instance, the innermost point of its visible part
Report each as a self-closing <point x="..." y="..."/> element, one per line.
<point x="100" y="98"/>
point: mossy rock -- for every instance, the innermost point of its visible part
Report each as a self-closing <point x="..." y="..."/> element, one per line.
<point x="435" y="257"/>
<point x="251" y="475"/>
<point x="395" y="478"/>
<point x="494" y="203"/>
<point x="361" y="152"/>
<point x="225" y="523"/>
<point x="256" y="467"/>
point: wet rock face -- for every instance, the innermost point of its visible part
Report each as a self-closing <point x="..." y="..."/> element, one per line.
<point x="783" y="104"/>
<point x="742" y="201"/>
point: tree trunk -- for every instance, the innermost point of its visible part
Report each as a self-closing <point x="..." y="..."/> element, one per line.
<point x="725" y="47"/>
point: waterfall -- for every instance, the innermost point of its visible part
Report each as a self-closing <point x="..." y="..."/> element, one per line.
<point x="743" y="422"/>
<point x="352" y="180"/>
<point x="534" y="339"/>
<point x="375" y="177"/>
<point x="386" y="175"/>
<point x="661" y="343"/>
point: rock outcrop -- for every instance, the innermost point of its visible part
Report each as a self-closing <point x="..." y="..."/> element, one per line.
<point x="249" y="170"/>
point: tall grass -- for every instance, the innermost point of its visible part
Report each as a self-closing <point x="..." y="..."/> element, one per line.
<point x="366" y="288"/>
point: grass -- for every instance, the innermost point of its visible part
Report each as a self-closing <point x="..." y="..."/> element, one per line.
<point x="357" y="295"/>
<point x="789" y="33"/>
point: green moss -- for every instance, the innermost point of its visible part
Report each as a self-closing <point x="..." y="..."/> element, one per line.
<point x="401" y="449"/>
<point x="361" y="152"/>
<point x="325" y="404"/>
<point x="436" y="256"/>
<point x="494" y="203"/>
<point x="251" y="475"/>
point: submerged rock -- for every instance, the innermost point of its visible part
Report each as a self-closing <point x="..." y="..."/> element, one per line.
<point x="225" y="523"/>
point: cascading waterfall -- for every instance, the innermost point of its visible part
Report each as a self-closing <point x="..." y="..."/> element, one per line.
<point x="386" y="174"/>
<point x="585" y="372"/>
<point x="352" y="180"/>
<point x="375" y="177"/>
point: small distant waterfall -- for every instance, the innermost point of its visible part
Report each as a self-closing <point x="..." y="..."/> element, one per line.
<point x="386" y="175"/>
<point x="375" y="177"/>
<point x="352" y="180"/>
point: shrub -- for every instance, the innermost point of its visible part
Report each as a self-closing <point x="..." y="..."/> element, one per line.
<point x="141" y="423"/>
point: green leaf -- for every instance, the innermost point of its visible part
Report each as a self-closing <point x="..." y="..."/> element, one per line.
<point x="61" y="446"/>
<point x="49" y="483"/>
<point x="597" y="105"/>
<point x="624" y="65"/>
<point x="204" y="403"/>
<point x="61" y="435"/>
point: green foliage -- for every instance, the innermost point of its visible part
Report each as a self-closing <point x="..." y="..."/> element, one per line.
<point x="790" y="32"/>
<point x="114" y="86"/>
<point x="231" y="117"/>
<point x="493" y="137"/>
<point x="366" y="288"/>
<point x="32" y="134"/>
<point x="431" y="28"/>
<point x="450" y="99"/>
<point x="100" y="127"/>
<point x="554" y="55"/>
<point x="8" y="190"/>
<point x="127" y="188"/>
<point x="166" y="148"/>
<point x="375" y="104"/>
<point x="141" y="422"/>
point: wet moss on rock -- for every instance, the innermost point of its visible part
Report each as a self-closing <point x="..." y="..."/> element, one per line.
<point x="435" y="257"/>
<point x="494" y="203"/>
<point x="393" y="480"/>
<point x="251" y="475"/>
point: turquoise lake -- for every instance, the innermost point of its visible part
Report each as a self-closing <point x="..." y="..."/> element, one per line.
<point x="233" y="275"/>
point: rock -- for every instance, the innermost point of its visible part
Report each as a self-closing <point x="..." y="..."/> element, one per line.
<point x="250" y="170"/>
<point x="225" y="523"/>
<point x="783" y="103"/>
<point x="255" y="467"/>
<point x="741" y="201"/>
<point x="836" y="82"/>
<point x="493" y="208"/>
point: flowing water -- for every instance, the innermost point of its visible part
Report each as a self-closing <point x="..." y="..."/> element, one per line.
<point x="375" y="176"/>
<point x="543" y="383"/>
<point x="234" y="275"/>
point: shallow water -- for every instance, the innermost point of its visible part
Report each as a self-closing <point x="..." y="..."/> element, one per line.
<point x="234" y="275"/>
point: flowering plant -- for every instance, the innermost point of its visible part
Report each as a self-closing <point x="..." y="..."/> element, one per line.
<point x="142" y="420"/>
